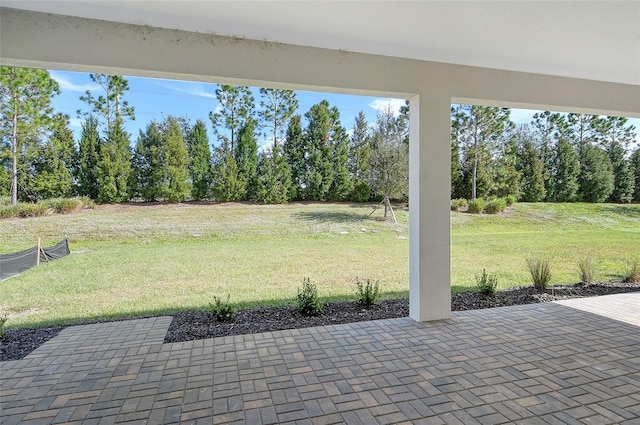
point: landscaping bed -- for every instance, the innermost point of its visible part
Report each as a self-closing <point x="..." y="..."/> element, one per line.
<point x="191" y="325"/>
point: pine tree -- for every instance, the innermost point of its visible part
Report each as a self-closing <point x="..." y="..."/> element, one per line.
<point x="531" y="166"/>
<point x="53" y="168"/>
<point x="246" y="156"/>
<point x="548" y="127"/>
<point x="457" y="177"/>
<point x="176" y="187"/>
<point x="565" y="172"/>
<point x="596" y="174"/>
<point x="111" y="106"/>
<point x="236" y="106"/>
<point x="635" y="167"/>
<point x="114" y="166"/>
<point x="294" y="150"/>
<point x="359" y="156"/>
<point x="479" y="129"/>
<point x="88" y="158"/>
<point x="25" y="105"/>
<point x="274" y="177"/>
<point x="200" y="155"/>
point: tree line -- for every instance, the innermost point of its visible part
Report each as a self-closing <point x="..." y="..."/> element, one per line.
<point x="558" y="158"/>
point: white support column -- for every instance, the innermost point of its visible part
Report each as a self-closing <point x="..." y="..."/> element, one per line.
<point x="429" y="212"/>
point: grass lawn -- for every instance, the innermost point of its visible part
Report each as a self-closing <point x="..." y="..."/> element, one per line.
<point x="141" y="259"/>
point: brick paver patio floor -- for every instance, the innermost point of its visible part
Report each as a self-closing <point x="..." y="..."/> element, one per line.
<point x="569" y="362"/>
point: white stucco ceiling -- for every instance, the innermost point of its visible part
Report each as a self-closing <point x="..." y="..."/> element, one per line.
<point x="597" y="40"/>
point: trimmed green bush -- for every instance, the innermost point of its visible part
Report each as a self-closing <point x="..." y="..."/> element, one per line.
<point x="487" y="283"/>
<point x="367" y="293"/>
<point x="540" y="270"/>
<point x="587" y="270"/>
<point x="308" y="302"/>
<point x="476" y="206"/>
<point x="223" y="311"/>
<point x="632" y="271"/>
<point x="457" y="204"/>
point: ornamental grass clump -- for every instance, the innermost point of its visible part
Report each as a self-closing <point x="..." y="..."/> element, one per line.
<point x="367" y="293"/>
<point x="632" y="271"/>
<point x="458" y="204"/>
<point x="308" y="302"/>
<point x="587" y="270"/>
<point x="495" y="206"/>
<point x="540" y="270"/>
<point x="223" y="311"/>
<point x="476" y="206"/>
<point x="487" y="283"/>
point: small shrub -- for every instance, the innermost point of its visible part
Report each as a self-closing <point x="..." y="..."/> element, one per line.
<point x="62" y="205"/>
<point x="367" y="293"/>
<point x="632" y="271"/>
<point x="476" y="206"/>
<point x="223" y="311"/>
<point x="495" y="206"/>
<point x="8" y="211"/>
<point x="308" y="302"/>
<point x="5" y="200"/>
<point x="510" y="200"/>
<point x="457" y="204"/>
<point x="27" y="209"/>
<point x="3" y="322"/>
<point x="540" y="270"/>
<point x="487" y="283"/>
<point x="587" y="270"/>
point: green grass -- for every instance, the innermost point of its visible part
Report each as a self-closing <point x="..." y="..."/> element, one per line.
<point x="137" y="260"/>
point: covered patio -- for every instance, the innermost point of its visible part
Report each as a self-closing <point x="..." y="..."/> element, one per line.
<point x="567" y="362"/>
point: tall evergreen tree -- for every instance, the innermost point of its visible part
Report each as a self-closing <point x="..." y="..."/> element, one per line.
<point x="25" y="106"/>
<point x="531" y="166"/>
<point x="246" y="156"/>
<point x="319" y="178"/>
<point x="226" y="184"/>
<point x="596" y="174"/>
<point x="53" y="168"/>
<point x="581" y="129"/>
<point x="274" y="177"/>
<point x="177" y="185"/>
<point x="548" y="126"/>
<point x="236" y="106"/>
<point x="88" y="158"/>
<point x="200" y="155"/>
<point x="635" y="167"/>
<point x="615" y="134"/>
<point x="359" y="157"/>
<point x="149" y="162"/>
<point x="114" y="165"/>
<point x="295" y="154"/>
<point x="507" y="177"/>
<point x="565" y="171"/>
<point x="277" y="108"/>
<point x="342" y="185"/>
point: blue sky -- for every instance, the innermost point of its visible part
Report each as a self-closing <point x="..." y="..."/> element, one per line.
<point x="155" y="98"/>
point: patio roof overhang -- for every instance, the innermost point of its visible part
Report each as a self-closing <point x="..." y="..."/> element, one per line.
<point x="35" y="39"/>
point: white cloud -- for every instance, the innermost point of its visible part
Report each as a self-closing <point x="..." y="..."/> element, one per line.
<point x="65" y="84"/>
<point x="382" y="105"/>
<point x="191" y="89"/>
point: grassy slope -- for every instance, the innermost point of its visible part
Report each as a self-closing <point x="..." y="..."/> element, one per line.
<point x="144" y="259"/>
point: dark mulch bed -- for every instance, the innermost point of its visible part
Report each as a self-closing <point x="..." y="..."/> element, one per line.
<point x="190" y="325"/>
